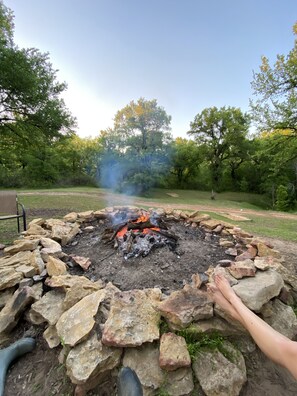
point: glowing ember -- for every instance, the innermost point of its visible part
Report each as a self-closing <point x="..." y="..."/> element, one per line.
<point x="143" y="218"/>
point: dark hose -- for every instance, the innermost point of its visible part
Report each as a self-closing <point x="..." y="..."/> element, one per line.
<point x="9" y="354"/>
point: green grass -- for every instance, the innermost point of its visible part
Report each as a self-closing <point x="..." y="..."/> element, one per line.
<point x="43" y="203"/>
<point x="265" y="226"/>
<point x="225" y="199"/>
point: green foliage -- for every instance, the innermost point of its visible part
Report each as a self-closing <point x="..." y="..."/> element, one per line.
<point x="222" y="134"/>
<point x="185" y="158"/>
<point x="200" y="341"/>
<point x="162" y="392"/>
<point x="275" y="87"/>
<point x="274" y="111"/>
<point x="33" y="117"/>
<point x="135" y="150"/>
<point x="282" y="198"/>
<point x="163" y="326"/>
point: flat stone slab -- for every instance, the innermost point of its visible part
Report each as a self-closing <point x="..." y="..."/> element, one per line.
<point x="15" y="306"/>
<point x="9" y="278"/>
<point x="258" y="290"/>
<point x="132" y="319"/>
<point x="49" y="307"/>
<point x="173" y="352"/>
<point x="185" y="306"/>
<point x="219" y="376"/>
<point x="281" y="317"/>
<point x="91" y="358"/>
<point x="76" y="324"/>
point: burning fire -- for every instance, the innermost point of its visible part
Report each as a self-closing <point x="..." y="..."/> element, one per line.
<point x="143" y="218"/>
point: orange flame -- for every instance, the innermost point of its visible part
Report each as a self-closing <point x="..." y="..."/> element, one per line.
<point x="141" y="219"/>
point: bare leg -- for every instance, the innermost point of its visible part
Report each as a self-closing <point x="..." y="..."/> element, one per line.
<point x="276" y="346"/>
<point x="216" y="296"/>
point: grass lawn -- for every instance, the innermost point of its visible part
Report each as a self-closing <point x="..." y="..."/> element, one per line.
<point x="44" y="203"/>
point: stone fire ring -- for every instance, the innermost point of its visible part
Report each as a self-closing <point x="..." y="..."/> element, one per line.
<point x="102" y="328"/>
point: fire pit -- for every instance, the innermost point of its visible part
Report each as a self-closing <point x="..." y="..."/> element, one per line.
<point x="142" y="249"/>
<point x="138" y="234"/>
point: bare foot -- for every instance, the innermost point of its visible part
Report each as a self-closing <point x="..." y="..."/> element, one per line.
<point x="224" y="287"/>
<point x="216" y="296"/>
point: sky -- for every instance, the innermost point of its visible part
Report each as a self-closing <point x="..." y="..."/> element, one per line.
<point x="187" y="54"/>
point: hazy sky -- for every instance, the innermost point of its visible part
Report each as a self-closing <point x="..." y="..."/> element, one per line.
<point x="187" y="54"/>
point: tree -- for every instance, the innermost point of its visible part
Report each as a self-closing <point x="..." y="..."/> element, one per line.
<point x="185" y="160"/>
<point x="30" y="106"/>
<point x="276" y="89"/>
<point x="222" y="132"/>
<point x="33" y="117"/>
<point x="136" y="148"/>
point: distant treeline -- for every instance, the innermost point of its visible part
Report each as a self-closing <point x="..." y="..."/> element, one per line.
<point x="39" y="148"/>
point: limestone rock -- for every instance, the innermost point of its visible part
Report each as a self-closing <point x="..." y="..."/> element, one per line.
<point x="235" y="325"/>
<point x="185" y="306"/>
<point x="199" y="217"/>
<point x="144" y="360"/>
<point x="226" y="243"/>
<point x="36" y="261"/>
<point x="91" y="358"/>
<point x="100" y="214"/>
<point x="71" y="217"/>
<point x="219" y="376"/>
<point x="27" y="270"/>
<point x="223" y="271"/>
<point x="210" y="224"/>
<point x="35" y="229"/>
<point x="281" y="317"/>
<point x="22" y="245"/>
<point x="257" y="291"/>
<point x="76" y="293"/>
<point x="218" y="325"/>
<point x="50" y="248"/>
<point x="196" y="281"/>
<point x="271" y="262"/>
<point x="16" y="260"/>
<point x="262" y="263"/>
<point x="83" y="262"/>
<point x="86" y="216"/>
<point x="50" y="306"/>
<point x="242" y="269"/>
<point x="40" y="221"/>
<point x="50" y="223"/>
<point x="55" y="267"/>
<point x="5" y="296"/>
<point x="9" y="278"/>
<point x="38" y="290"/>
<point x="286" y="295"/>
<point x="59" y="231"/>
<point x="173" y="352"/>
<point x="179" y="382"/>
<point x="51" y="337"/>
<point x="67" y="281"/>
<point x="70" y="236"/>
<point x="15" y="306"/>
<point x="26" y="282"/>
<point x="250" y="253"/>
<point x="231" y="252"/>
<point x="132" y="319"/>
<point x="264" y="250"/>
<point x="76" y="324"/>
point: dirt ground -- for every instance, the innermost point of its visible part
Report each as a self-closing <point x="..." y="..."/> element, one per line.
<point x="39" y="372"/>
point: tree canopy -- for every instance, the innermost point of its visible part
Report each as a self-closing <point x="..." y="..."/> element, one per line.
<point x="222" y="132"/>
<point x="30" y="105"/>
<point x="138" y="142"/>
<point x="275" y="87"/>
